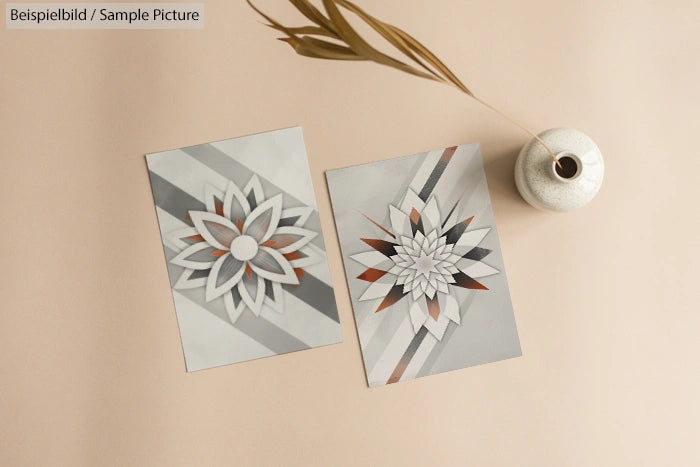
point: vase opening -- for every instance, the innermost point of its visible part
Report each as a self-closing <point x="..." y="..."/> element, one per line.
<point x="570" y="167"/>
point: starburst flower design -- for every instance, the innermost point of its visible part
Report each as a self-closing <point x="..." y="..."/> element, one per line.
<point x="424" y="257"/>
<point x="244" y="248"/>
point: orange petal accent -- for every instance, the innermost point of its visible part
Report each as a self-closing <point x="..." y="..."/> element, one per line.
<point x="196" y="238"/>
<point x="219" y="253"/>
<point x="292" y="256"/>
<point x="239" y="224"/>
<point x="270" y="243"/>
<point x="248" y="271"/>
<point x="433" y="308"/>
<point x="371" y="275"/>
<point x="219" y="207"/>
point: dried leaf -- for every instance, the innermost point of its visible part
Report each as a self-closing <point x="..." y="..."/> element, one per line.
<point x="316" y="48"/>
<point x="361" y="47"/>
<point x="385" y="31"/>
<point x="307" y="9"/>
<point x="354" y="47"/>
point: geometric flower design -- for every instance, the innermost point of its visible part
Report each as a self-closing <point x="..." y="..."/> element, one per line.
<point x="243" y="248"/>
<point x="422" y="257"/>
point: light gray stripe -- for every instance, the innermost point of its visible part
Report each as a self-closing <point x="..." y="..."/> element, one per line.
<point x="437" y="349"/>
<point x="266" y="333"/>
<point x="238" y="173"/>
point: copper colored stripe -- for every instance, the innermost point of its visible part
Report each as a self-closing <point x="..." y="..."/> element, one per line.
<point x="218" y="253"/>
<point x="248" y="270"/>
<point x="437" y="172"/>
<point x="433" y="307"/>
<point x="407" y="356"/>
<point x="239" y="224"/>
<point x="385" y="230"/>
<point x="382" y="246"/>
<point x="462" y="280"/>
<point x="394" y="295"/>
<point x="371" y="275"/>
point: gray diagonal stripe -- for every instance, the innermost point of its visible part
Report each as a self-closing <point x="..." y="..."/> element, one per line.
<point x="269" y="335"/>
<point x="233" y="170"/>
<point x="172" y="199"/>
<point x="312" y="290"/>
<point x="316" y="294"/>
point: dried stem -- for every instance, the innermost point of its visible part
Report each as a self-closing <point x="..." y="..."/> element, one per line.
<point x="312" y="41"/>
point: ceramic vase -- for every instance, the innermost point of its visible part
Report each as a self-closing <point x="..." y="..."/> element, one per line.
<point x="545" y="185"/>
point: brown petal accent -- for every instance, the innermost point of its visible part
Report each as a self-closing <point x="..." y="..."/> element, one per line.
<point x="433" y="307"/>
<point x="394" y="295"/>
<point x="462" y="280"/>
<point x="371" y="275"/>
<point x="382" y="246"/>
<point x="455" y="233"/>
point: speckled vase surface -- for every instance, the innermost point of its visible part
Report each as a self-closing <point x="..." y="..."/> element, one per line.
<point x="545" y="185"/>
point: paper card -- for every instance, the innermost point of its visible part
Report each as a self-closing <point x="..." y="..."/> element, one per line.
<point x="423" y="264"/>
<point x="244" y="249"/>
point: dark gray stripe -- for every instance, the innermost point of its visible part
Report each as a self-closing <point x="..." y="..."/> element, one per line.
<point x="312" y="290"/>
<point x="172" y="199"/>
<point x="233" y="170"/>
<point x="317" y="294"/>
<point x="433" y="178"/>
<point x="268" y="334"/>
<point x="409" y="353"/>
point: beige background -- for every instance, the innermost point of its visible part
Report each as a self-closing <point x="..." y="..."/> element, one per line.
<point x="606" y="298"/>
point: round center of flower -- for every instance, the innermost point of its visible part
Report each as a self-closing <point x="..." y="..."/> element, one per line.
<point x="244" y="247"/>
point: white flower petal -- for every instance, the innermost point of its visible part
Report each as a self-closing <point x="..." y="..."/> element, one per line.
<point x="252" y="290"/>
<point x="197" y="256"/>
<point x="411" y="201"/>
<point x="289" y="239"/>
<point x="271" y="265"/>
<point x="225" y="273"/>
<point x="400" y="222"/>
<point x="377" y="289"/>
<point x="430" y="215"/>
<point x="309" y="258"/>
<point x="182" y="238"/>
<point x="472" y="238"/>
<point x="236" y="207"/>
<point x="369" y="258"/>
<point x="418" y="316"/>
<point x="450" y="308"/>
<point x="216" y="230"/>
<point x="476" y="269"/>
<point x="213" y="198"/>
<point x="295" y="216"/>
<point x="264" y="219"/>
<point x="187" y="282"/>
<point x="437" y="328"/>
<point x="254" y="192"/>
<point x="234" y="311"/>
<point x="276" y="303"/>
